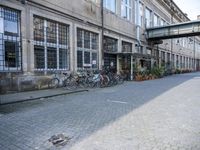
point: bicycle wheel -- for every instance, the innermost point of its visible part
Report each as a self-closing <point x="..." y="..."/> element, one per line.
<point x="119" y="79"/>
<point x="104" y="81"/>
<point x="70" y="83"/>
<point x="82" y="83"/>
<point x="89" y="83"/>
<point x="97" y="84"/>
<point x="53" y="83"/>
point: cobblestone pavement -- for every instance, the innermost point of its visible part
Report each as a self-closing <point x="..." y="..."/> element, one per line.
<point x="161" y="114"/>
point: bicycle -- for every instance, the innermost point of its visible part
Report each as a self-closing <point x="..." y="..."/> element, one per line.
<point x="93" y="79"/>
<point x="64" y="79"/>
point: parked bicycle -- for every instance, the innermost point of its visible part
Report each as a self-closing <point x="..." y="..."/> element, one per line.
<point x="85" y="79"/>
<point x="93" y="79"/>
<point x="62" y="80"/>
<point x="114" y="78"/>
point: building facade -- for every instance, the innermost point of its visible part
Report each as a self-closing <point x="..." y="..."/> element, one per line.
<point x="40" y="37"/>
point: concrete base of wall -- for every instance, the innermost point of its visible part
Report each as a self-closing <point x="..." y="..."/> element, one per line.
<point x="12" y="82"/>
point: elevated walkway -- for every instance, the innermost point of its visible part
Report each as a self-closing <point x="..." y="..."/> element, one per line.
<point x="185" y="29"/>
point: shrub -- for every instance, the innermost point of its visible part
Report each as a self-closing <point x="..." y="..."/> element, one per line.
<point x="157" y="72"/>
<point x="177" y="71"/>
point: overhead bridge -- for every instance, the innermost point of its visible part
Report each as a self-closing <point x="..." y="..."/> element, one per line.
<point x="186" y="29"/>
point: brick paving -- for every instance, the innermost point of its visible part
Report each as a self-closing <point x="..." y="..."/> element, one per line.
<point x="159" y="114"/>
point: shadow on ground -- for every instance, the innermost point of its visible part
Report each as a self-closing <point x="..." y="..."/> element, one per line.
<point x="31" y="124"/>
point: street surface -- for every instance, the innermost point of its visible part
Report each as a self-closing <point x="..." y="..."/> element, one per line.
<point x="161" y="114"/>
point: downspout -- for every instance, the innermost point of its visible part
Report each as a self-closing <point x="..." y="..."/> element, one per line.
<point x="137" y="20"/>
<point x="172" y="65"/>
<point x="138" y="24"/>
<point x="102" y="35"/>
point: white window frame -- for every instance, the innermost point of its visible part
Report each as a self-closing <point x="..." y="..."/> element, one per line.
<point x="56" y="45"/>
<point x="162" y="22"/>
<point x="141" y="14"/>
<point x="148" y="19"/>
<point x="90" y="50"/>
<point x="9" y="38"/>
<point x="106" y="4"/>
<point x="126" y="5"/>
<point x="156" y="21"/>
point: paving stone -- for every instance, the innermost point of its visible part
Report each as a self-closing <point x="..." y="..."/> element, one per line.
<point x="157" y="114"/>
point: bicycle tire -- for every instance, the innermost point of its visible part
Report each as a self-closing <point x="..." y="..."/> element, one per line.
<point x="53" y="83"/>
<point x="70" y="83"/>
<point x="119" y="79"/>
<point x="104" y="81"/>
<point x="97" y="84"/>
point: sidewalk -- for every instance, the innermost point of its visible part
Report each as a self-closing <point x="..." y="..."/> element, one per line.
<point x="32" y="95"/>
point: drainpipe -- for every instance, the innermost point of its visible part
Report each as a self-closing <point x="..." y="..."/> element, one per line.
<point x="102" y="35"/>
<point x="171" y="65"/>
<point x="137" y="23"/>
<point x="137" y="19"/>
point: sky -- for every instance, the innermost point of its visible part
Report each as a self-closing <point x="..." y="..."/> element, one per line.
<point x="190" y="7"/>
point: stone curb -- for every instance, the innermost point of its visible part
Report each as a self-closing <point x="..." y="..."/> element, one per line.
<point x="40" y="97"/>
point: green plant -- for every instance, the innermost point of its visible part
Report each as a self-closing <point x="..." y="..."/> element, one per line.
<point x="177" y="71"/>
<point x="157" y="72"/>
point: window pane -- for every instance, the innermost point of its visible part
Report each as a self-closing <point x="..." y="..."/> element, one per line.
<point x="126" y="9"/>
<point x="10" y="44"/>
<point x="87" y="43"/>
<point x="86" y="39"/>
<point x="87" y="57"/>
<point x="94" y="41"/>
<point x="149" y="51"/>
<point x="51" y="58"/>
<point x="123" y="11"/>
<point x="163" y="56"/>
<point x="63" y="58"/>
<point x="110" y="44"/>
<point x="51" y="32"/>
<point x="110" y="60"/>
<point x="79" y="59"/>
<point x="141" y="14"/>
<point x="11" y="19"/>
<point x="148" y="17"/>
<point x="57" y="35"/>
<point x="126" y="47"/>
<point x="79" y="38"/>
<point x="162" y="22"/>
<point x="156" y="19"/>
<point x="38" y="29"/>
<point x="63" y="34"/>
<point x="11" y="54"/>
<point x="11" y="27"/>
<point x="94" y="60"/>
<point x="39" y="57"/>
<point x="110" y="4"/>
